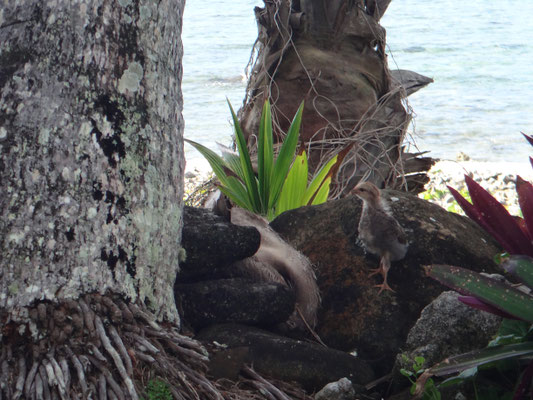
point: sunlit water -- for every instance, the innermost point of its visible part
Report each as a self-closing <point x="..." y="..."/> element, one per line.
<point x="480" y="54"/>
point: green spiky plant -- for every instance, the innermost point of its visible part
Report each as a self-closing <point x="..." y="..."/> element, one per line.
<point x="515" y="234"/>
<point x="281" y="182"/>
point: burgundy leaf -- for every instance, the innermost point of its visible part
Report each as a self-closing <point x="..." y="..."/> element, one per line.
<point x="498" y="218"/>
<point x="474" y="302"/>
<point x="529" y="138"/>
<point x="522" y="224"/>
<point x="469" y="209"/>
<point x="531" y="161"/>
<point x="525" y="199"/>
<point x="474" y="214"/>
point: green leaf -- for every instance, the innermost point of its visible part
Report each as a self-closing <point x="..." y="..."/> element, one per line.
<point x="319" y="183"/>
<point x="249" y="176"/>
<point x="232" y="161"/>
<point x="406" y="372"/>
<point x="285" y="157"/>
<point x="480" y="357"/>
<point x="419" y="363"/>
<point x="500" y="258"/>
<point x="295" y="192"/>
<point x="323" y="192"/>
<point x="230" y="185"/>
<point x="294" y="187"/>
<point x="467" y="374"/>
<point x="514" y="327"/>
<point x="237" y="192"/>
<point x="498" y="294"/>
<point x="265" y="154"/>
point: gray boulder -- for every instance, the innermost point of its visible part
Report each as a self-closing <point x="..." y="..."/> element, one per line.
<point x="353" y="316"/>
<point x="448" y="327"/>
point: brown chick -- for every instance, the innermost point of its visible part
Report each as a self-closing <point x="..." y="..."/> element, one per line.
<point x="379" y="232"/>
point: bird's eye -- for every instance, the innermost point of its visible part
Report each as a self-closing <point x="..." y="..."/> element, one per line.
<point x="362" y="190"/>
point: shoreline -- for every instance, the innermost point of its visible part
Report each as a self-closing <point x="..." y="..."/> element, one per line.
<point x="483" y="168"/>
<point x="497" y="178"/>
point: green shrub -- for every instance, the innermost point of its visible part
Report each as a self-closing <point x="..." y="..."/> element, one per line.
<point x="280" y="183"/>
<point x="431" y="392"/>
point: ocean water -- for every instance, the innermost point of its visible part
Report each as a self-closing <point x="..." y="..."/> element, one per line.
<point x="480" y="54"/>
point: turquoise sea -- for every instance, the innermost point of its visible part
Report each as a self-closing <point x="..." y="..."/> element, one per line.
<point x="480" y="54"/>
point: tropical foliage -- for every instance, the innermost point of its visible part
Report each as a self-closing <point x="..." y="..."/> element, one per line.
<point x="431" y="392"/>
<point x="514" y="302"/>
<point x="281" y="182"/>
<point x="489" y="294"/>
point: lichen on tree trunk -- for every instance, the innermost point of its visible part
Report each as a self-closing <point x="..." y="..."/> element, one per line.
<point x="91" y="158"/>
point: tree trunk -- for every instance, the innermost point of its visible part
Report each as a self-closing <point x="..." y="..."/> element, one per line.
<point x="91" y="151"/>
<point x="332" y="55"/>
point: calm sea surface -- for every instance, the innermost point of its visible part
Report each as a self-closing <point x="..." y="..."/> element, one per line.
<point x="479" y="52"/>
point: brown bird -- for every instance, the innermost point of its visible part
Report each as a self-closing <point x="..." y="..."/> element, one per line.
<point x="379" y="231"/>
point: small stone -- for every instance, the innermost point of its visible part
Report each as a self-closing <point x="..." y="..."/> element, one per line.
<point x="462" y="157"/>
<point x="509" y="179"/>
<point x="340" y="390"/>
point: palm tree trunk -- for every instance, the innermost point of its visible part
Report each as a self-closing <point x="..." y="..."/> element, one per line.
<point x="331" y="54"/>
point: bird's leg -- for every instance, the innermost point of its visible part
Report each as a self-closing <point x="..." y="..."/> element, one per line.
<point x="380" y="270"/>
<point x="375" y="271"/>
<point x="384" y="266"/>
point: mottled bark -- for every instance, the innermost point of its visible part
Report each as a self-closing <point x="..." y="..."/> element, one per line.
<point x="331" y="54"/>
<point x="91" y="158"/>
